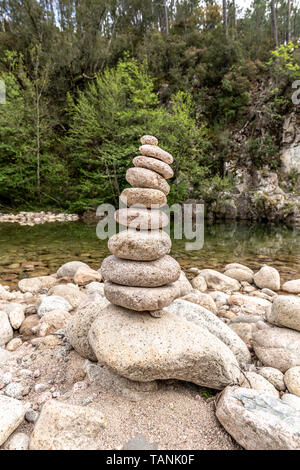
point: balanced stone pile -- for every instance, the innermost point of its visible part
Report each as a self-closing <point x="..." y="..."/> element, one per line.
<point x="140" y="275"/>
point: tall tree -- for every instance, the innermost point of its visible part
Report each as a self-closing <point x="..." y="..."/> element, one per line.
<point x="166" y="17"/>
<point x="225" y="17"/>
<point x="274" y="23"/>
<point x="288" y="33"/>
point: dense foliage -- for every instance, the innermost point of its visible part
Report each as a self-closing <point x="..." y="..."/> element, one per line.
<point x="84" y="79"/>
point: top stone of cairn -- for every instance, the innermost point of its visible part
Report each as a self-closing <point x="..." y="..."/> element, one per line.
<point x="149" y="140"/>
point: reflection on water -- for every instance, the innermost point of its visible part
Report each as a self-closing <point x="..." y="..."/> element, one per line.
<point x="40" y="250"/>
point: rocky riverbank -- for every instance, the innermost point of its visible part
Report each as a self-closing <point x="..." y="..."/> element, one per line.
<point x="34" y="218"/>
<point x="244" y="325"/>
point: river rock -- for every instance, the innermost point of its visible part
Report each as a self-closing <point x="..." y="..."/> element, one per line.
<point x="140" y="246"/>
<point x="14" y="344"/>
<point x="155" y="165"/>
<point x="85" y="275"/>
<point x="238" y="266"/>
<point x="37" y="284"/>
<point x="69" y="269"/>
<point x="143" y="197"/>
<point x="141" y="218"/>
<point x="62" y="426"/>
<point x="250" y="305"/>
<point x="257" y="420"/>
<point x="183" y="285"/>
<point x="12" y="413"/>
<point x="53" y="321"/>
<point x="206" y="319"/>
<point x="258" y="382"/>
<point x="53" y="302"/>
<point x="292" y="380"/>
<point x="277" y="347"/>
<point x="28" y="324"/>
<point x="219" y="281"/>
<point x="155" y="273"/>
<point x="149" y="139"/>
<point x="239" y="274"/>
<point x="285" y="312"/>
<point x="18" y="441"/>
<point x="244" y="331"/>
<point x="15" y="314"/>
<point x="78" y="327"/>
<point x="291" y="400"/>
<point x="140" y="298"/>
<point x="144" y="178"/>
<point x="157" y="152"/>
<point x="293" y="287"/>
<point x="267" y="277"/>
<point x="95" y="288"/>
<point x="142" y="348"/>
<point x="70" y="292"/>
<point x="199" y="283"/>
<point x="6" y="331"/>
<point x="274" y="376"/>
<point x="204" y="300"/>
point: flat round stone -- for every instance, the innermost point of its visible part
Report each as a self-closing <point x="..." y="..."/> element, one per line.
<point x="143" y="197"/>
<point x="157" y="152"/>
<point x="140" y="245"/>
<point x="126" y="272"/>
<point x="142" y="218"/>
<point x="153" y="164"/>
<point x="149" y="139"/>
<point x="140" y="298"/>
<point x="143" y="178"/>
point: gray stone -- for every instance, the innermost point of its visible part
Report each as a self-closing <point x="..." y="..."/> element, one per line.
<point x="277" y="347"/>
<point x="238" y="266"/>
<point x="141" y="219"/>
<point x="155" y="165"/>
<point x="219" y="281"/>
<point x="291" y="400"/>
<point x="204" y="300"/>
<point x="53" y="302"/>
<point x="69" y="269"/>
<point x="285" y="312"/>
<point x="78" y="327"/>
<point x="70" y="292"/>
<point x="274" y="376"/>
<point x="267" y="277"/>
<point x="293" y="287"/>
<point x="34" y="285"/>
<point x="62" y="426"/>
<point x="149" y="140"/>
<point x="143" y="197"/>
<point x="199" y="283"/>
<point x="157" y="152"/>
<point x="144" y="178"/>
<point x="14" y="390"/>
<point x="144" y="349"/>
<point x="140" y="273"/>
<point x="140" y="298"/>
<point x="140" y="246"/>
<point x="257" y="420"/>
<point x="11" y="416"/>
<point x="6" y="331"/>
<point x="258" y="382"/>
<point x="239" y="274"/>
<point x="15" y="314"/>
<point x="292" y="380"/>
<point x="31" y="416"/>
<point x="183" y="285"/>
<point x="206" y="319"/>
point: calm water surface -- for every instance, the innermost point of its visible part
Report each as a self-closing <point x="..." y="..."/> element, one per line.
<point x="40" y="250"/>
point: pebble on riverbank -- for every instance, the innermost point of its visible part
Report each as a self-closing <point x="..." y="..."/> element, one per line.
<point x="35" y="218"/>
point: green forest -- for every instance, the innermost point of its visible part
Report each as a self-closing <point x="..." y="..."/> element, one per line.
<point x="86" y="78"/>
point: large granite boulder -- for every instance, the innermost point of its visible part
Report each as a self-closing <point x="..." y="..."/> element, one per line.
<point x="142" y="348"/>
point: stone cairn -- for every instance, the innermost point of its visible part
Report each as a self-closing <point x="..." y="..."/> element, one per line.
<point x="140" y="275"/>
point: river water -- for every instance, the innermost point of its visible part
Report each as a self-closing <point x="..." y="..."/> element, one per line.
<point x="40" y="250"/>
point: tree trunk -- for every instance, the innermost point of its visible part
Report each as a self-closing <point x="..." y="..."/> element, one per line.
<point x="274" y="23"/>
<point x="288" y="33"/>
<point x="166" y="18"/>
<point x="225" y="19"/>
<point x="234" y="14"/>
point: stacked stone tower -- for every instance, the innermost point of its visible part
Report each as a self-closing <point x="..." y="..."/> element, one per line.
<point x="140" y="274"/>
